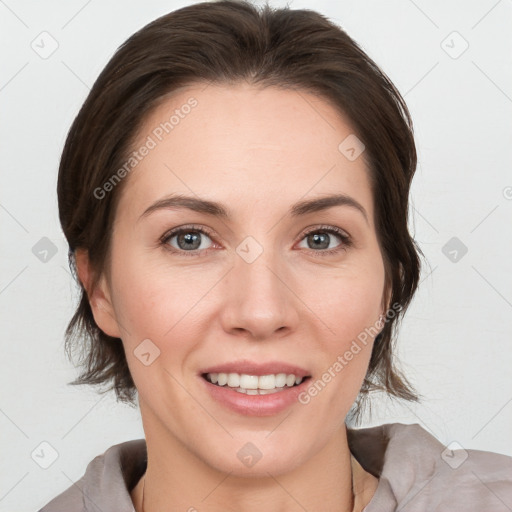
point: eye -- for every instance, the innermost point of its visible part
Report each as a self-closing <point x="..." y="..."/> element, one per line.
<point x="321" y="237"/>
<point x="186" y="239"/>
<point x="191" y="240"/>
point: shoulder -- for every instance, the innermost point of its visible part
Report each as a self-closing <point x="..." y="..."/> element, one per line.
<point x="106" y="483"/>
<point x="418" y="473"/>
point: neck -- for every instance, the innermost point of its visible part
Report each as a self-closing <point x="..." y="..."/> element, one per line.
<point x="177" y="479"/>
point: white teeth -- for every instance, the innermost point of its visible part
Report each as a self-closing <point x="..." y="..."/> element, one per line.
<point x="258" y="391"/>
<point x="233" y="380"/>
<point x="281" y="380"/>
<point x="290" y="380"/>
<point x="251" y="384"/>
<point x="248" y="381"/>
<point x="267" y="382"/>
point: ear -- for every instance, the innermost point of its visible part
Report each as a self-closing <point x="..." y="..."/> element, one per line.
<point x="99" y="297"/>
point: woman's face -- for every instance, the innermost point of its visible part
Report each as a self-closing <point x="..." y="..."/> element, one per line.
<point x="269" y="282"/>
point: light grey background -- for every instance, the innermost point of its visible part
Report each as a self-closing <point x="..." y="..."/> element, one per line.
<point x="456" y="340"/>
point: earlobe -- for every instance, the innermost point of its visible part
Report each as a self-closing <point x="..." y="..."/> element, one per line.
<point x="99" y="296"/>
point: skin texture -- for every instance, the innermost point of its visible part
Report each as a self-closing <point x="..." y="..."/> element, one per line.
<point x="257" y="151"/>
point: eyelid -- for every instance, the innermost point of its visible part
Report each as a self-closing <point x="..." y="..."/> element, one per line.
<point x="326" y="227"/>
<point x="186" y="227"/>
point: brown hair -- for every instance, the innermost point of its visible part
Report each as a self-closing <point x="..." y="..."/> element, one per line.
<point x="225" y="42"/>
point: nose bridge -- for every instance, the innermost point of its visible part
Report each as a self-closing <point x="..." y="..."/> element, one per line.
<point x="258" y="299"/>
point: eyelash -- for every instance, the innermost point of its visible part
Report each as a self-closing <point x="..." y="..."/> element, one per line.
<point x="164" y="240"/>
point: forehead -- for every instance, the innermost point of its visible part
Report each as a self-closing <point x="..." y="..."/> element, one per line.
<point x="244" y="144"/>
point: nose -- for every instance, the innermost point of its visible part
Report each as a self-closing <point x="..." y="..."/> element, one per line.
<point x="259" y="299"/>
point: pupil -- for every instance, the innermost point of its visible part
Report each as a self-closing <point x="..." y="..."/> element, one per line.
<point x="317" y="238"/>
<point x="190" y="239"/>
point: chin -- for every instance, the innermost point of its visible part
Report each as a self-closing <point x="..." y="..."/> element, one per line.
<point x="247" y="457"/>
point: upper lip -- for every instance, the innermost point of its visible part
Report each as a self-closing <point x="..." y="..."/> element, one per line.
<point x="254" y="368"/>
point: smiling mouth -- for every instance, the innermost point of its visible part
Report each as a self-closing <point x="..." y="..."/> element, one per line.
<point x="254" y="384"/>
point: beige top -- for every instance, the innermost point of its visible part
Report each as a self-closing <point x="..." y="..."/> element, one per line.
<point x="416" y="474"/>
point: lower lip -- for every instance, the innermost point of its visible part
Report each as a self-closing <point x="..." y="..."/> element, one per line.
<point x="255" y="405"/>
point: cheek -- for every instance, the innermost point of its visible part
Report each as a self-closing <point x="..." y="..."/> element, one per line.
<point x="163" y="304"/>
<point x="352" y="314"/>
<point x="354" y="319"/>
<point x="155" y="310"/>
<point x="151" y="297"/>
<point x="349" y="302"/>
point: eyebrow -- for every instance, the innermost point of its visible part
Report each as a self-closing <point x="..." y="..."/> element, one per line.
<point x="216" y="209"/>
